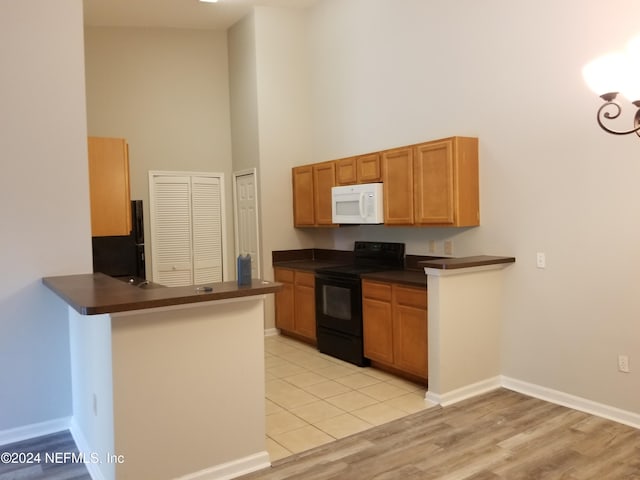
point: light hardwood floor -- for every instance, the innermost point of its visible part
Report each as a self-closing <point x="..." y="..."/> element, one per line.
<point x="46" y="457"/>
<point x="502" y="435"/>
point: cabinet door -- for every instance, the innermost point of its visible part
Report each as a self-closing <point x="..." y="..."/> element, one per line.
<point x="305" y="305"/>
<point x="410" y="329"/>
<point x="446" y="182"/>
<point x="346" y="171"/>
<point x="171" y="230"/>
<point x="368" y="168"/>
<point x="206" y="205"/>
<point x="284" y="299"/>
<point x="467" y="194"/>
<point x="303" y="198"/>
<point x="434" y="183"/>
<point x="377" y="322"/>
<point x="109" y="186"/>
<point x="397" y="178"/>
<point x="324" y="177"/>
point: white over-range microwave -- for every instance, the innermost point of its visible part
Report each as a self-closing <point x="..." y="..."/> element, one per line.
<point x="357" y="204"/>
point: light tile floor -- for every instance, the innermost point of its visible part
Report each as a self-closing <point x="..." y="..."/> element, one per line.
<point x="313" y="399"/>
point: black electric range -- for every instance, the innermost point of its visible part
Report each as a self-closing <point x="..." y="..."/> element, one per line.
<point x="338" y="292"/>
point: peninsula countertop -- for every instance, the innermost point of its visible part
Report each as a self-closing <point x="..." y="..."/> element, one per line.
<point x="96" y="293"/>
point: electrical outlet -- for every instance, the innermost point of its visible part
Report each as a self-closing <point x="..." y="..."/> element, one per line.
<point x="448" y="247"/>
<point x="623" y="363"/>
<point x="541" y="260"/>
<point x="432" y="246"/>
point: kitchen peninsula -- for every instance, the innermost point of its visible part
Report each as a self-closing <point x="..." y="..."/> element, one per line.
<point x="167" y="382"/>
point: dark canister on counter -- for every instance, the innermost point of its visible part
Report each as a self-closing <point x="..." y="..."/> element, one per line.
<point x="244" y="270"/>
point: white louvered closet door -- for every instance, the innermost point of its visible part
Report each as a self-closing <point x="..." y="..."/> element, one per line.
<point x="206" y="207"/>
<point x="172" y="262"/>
<point x="186" y="229"/>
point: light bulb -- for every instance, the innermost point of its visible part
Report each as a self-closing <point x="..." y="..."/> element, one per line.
<point x="630" y="87"/>
<point x="605" y="74"/>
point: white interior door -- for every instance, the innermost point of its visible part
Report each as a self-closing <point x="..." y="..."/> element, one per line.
<point x="245" y="201"/>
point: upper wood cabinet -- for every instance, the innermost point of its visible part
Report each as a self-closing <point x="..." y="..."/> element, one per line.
<point x="397" y="180"/>
<point x="324" y="178"/>
<point x="433" y="183"/>
<point x="362" y="169"/>
<point x="429" y="184"/>
<point x="312" y="194"/>
<point x="303" y="204"/>
<point x="446" y="182"/>
<point x="109" y="186"/>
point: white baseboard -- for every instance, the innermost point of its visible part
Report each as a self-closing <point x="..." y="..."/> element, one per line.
<point x="83" y="446"/>
<point x="233" y="469"/>
<point x="465" y="392"/>
<point x="572" y="401"/>
<point x="271" y="332"/>
<point x="537" y="391"/>
<point x="34" y="430"/>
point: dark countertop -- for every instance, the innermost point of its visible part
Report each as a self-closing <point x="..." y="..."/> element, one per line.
<point x="308" y="265"/>
<point x="406" y="277"/>
<point x="466" y="262"/>
<point x="413" y="276"/>
<point x="96" y="293"/>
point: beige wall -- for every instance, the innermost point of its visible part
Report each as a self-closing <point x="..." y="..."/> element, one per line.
<point x="389" y="73"/>
<point x="271" y="47"/>
<point x="243" y="91"/>
<point x="167" y="92"/>
<point x="44" y="206"/>
<point x="188" y="390"/>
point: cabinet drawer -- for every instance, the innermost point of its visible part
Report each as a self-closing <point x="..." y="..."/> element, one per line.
<point x="413" y="297"/>
<point x="305" y="278"/>
<point x="283" y="275"/>
<point x="380" y="291"/>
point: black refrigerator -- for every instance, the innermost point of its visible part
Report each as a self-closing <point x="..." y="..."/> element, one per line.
<point x="122" y="257"/>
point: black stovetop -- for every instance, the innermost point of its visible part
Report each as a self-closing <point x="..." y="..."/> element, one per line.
<point x="370" y="257"/>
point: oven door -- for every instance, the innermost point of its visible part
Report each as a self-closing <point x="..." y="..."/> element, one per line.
<point x="339" y="304"/>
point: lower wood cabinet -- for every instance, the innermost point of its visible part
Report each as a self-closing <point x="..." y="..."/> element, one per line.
<point x="296" y="303"/>
<point x="395" y="326"/>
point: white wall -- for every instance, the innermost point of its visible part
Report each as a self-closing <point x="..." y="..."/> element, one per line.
<point x="167" y="92"/>
<point x="44" y="203"/>
<point x="387" y="73"/>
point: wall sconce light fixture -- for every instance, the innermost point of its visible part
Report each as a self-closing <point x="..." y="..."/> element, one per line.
<point x="612" y="75"/>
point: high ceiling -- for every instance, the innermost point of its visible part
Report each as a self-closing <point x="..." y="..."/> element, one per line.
<point x="176" y="13"/>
